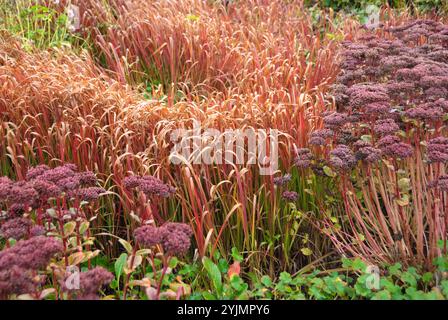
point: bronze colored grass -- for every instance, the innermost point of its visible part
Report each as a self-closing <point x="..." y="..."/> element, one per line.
<point x="261" y="64"/>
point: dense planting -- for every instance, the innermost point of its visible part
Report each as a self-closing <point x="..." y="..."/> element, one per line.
<point x="388" y="144"/>
<point x="94" y="207"/>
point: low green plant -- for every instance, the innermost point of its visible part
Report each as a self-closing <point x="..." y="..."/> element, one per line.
<point x="440" y="6"/>
<point x="353" y="280"/>
<point x="39" y="25"/>
<point x="359" y="8"/>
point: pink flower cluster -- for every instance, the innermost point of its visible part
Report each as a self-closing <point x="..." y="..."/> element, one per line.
<point x="173" y="237"/>
<point x="303" y="158"/>
<point x="387" y="87"/>
<point x="438" y="150"/>
<point x="282" y="180"/>
<point x="19" y="264"/>
<point x="342" y="158"/>
<point x="43" y="183"/>
<point x="290" y="196"/>
<point x="90" y="282"/>
<point x="149" y="185"/>
<point x="366" y="152"/>
<point x="16" y="228"/>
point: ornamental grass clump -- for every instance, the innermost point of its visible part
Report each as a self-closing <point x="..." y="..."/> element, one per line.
<point x="197" y="61"/>
<point x="386" y="145"/>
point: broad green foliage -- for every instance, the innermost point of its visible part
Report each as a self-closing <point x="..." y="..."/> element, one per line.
<point x="429" y="5"/>
<point x="357" y="282"/>
<point x="424" y="5"/>
<point x="38" y="25"/>
<point x="359" y="7"/>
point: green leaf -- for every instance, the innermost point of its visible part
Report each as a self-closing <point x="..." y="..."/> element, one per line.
<point x="391" y="287"/>
<point x="114" y="284"/>
<point x="214" y="274"/>
<point x="119" y="265"/>
<point x="382" y="295"/>
<point x="236" y="255"/>
<point x="69" y="228"/>
<point x="441" y="244"/>
<point x="126" y="245"/>
<point x="306" y="251"/>
<point x="329" y="172"/>
<point x="83" y="227"/>
<point x="444" y="286"/>
<point x="237" y="283"/>
<point x="441" y="263"/>
<point x="415" y="294"/>
<point x="347" y="263"/>
<point x="208" y="296"/>
<point x="173" y="262"/>
<point x="395" y="269"/>
<point x="285" y="278"/>
<point x="266" y="281"/>
<point x="409" y="278"/>
<point x="359" y="265"/>
<point x="223" y="265"/>
<point x="427" y="277"/>
<point x="361" y="287"/>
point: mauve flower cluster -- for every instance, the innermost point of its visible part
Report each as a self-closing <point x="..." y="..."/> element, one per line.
<point x="319" y="137"/>
<point x="173" y="237"/>
<point x="16" y="228"/>
<point x="364" y="151"/>
<point x="282" y="181"/>
<point x="342" y="158"/>
<point x="16" y="281"/>
<point x="393" y="147"/>
<point x="290" y="196"/>
<point x="385" y="127"/>
<point x="18" y="263"/>
<point x="442" y="182"/>
<point x="148" y="236"/>
<point x="387" y="87"/>
<point x="438" y="150"/>
<point x="32" y="254"/>
<point x="334" y="120"/>
<point x="149" y="185"/>
<point x="43" y="183"/>
<point x="303" y="158"/>
<point x="90" y="282"/>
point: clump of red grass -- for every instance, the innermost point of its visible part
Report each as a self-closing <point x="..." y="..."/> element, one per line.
<point x="57" y="107"/>
<point x="258" y="64"/>
<point x="197" y="45"/>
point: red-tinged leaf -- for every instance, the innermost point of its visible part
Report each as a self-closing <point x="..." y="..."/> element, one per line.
<point x="234" y="269"/>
